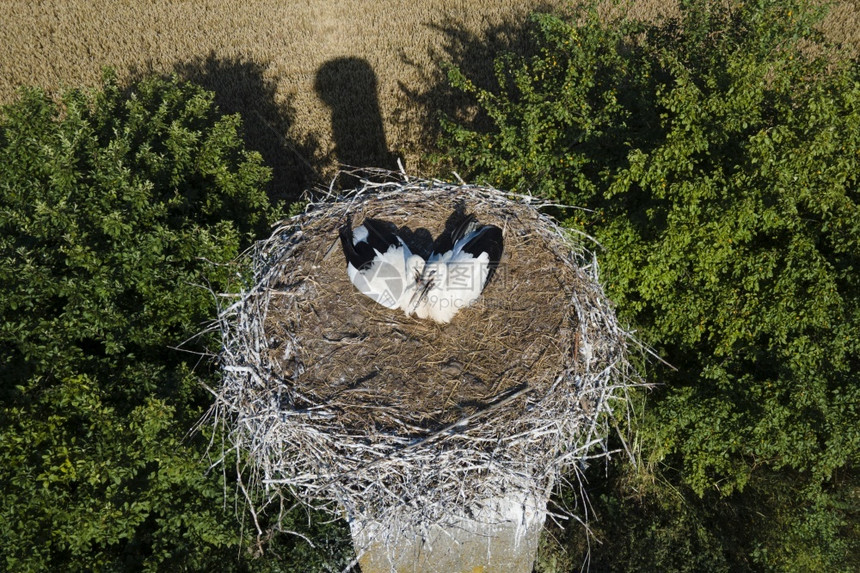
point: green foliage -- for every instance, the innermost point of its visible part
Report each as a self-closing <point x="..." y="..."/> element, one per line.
<point x="720" y="157"/>
<point x="117" y="210"/>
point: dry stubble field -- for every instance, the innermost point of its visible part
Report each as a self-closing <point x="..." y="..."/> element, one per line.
<point x="318" y="82"/>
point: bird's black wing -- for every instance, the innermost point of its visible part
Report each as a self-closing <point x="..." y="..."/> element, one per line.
<point x="487" y="239"/>
<point x="446" y="241"/>
<point x="362" y="253"/>
<point x="379" y="235"/>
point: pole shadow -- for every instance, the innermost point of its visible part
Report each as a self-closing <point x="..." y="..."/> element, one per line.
<point x="348" y="87"/>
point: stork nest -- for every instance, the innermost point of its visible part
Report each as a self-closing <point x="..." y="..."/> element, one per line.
<point x="354" y="407"/>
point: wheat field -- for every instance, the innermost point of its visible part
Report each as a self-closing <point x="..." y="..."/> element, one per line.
<point x="318" y="82"/>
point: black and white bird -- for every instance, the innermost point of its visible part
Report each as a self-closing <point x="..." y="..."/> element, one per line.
<point x="379" y="263"/>
<point x="457" y="271"/>
<point x="382" y="267"/>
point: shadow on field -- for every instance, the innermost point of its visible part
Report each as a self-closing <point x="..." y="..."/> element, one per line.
<point x="500" y="51"/>
<point x="472" y="54"/>
<point x="240" y="86"/>
<point x="348" y="87"/>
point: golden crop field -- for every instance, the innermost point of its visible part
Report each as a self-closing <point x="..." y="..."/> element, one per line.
<point x="318" y="82"/>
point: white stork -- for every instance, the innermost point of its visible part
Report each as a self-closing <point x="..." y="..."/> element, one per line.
<point x="457" y="271"/>
<point x="379" y="263"/>
<point x="381" y="266"/>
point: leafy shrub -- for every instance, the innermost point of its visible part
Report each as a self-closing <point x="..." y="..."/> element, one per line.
<point x="117" y="209"/>
<point x="719" y="156"/>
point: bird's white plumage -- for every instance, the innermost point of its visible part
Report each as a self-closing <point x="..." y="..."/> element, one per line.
<point x="451" y="281"/>
<point x="391" y="276"/>
<point x="359" y="234"/>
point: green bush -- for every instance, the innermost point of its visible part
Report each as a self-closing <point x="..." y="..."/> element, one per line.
<point x="117" y="210"/>
<point x="719" y="156"/>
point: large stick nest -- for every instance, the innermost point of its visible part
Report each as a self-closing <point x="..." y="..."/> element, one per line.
<point x="354" y="407"/>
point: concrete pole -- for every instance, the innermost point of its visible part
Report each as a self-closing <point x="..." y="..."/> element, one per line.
<point x="498" y="535"/>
